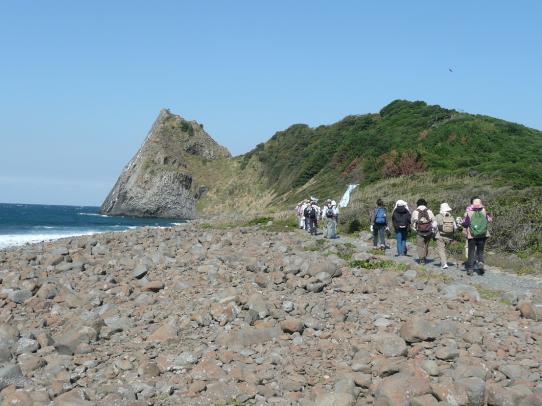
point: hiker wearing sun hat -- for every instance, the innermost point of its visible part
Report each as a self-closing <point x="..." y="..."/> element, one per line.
<point x="475" y="223"/>
<point x="446" y="228"/>
<point x="400" y="219"/>
<point x="331" y="214"/>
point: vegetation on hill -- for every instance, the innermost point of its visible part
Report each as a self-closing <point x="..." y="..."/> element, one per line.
<point x="403" y="139"/>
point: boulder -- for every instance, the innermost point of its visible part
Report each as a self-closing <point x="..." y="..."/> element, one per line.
<point x="418" y="329"/>
<point x="530" y="310"/>
<point x="401" y="388"/>
<point x="461" y="291"/>
<point x="390" y="345"/>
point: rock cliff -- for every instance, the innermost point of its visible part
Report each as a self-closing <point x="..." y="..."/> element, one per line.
<point x="158" y="180"/>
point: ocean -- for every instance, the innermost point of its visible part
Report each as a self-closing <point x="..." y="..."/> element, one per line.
<point x="31" y="223"/>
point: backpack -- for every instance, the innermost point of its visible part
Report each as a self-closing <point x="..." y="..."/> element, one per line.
<point x="478" y="224"/>
<point x="330" y="213"/>
<point x="423" y="225"/>
<point x="306" y="212"/>
<point x="447" y="224"/>
<point x="402" y="220"/>
<point x="312" y="213"/>
<point x="380" y="215"/>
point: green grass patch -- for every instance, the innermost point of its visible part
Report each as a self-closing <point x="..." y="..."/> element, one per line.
<point x="529" y="271"/>
<point x="491" y="294"/>
<point x="259" y="221"/>
<point x="345" y="251"/>
<point x="375" y="263"/>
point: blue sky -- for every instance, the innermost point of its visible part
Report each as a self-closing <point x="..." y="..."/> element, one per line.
<point x="82" y="82"/>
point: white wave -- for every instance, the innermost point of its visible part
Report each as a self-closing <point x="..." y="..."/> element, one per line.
<point x="346" y="197"/>
<point x="93" y="214"/>
<point x="14" y="240"/>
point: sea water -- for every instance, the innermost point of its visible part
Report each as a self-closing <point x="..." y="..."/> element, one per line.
<point x="31" y="223"/>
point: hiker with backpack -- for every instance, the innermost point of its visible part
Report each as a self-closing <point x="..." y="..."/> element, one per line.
<point x="306" y="212"/>
<point x="312" y="211"/>
<point x="446" y="228"/>
<point x="400" y="219"/>
<point x="424" y="224"/>
<point x="379" y="225"/>
<point x="331" y="214"/>
<point x="476" y="228"/>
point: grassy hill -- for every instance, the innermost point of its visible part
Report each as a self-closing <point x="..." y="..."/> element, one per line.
<point x="403" y="139"/>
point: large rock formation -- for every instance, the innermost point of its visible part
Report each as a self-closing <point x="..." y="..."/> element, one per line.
<point x="158" y="182"/>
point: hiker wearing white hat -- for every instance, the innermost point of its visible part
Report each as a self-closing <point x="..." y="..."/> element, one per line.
<point x="331" y="214"/>
<point x="446" y="228"/>
<point x="401" y="223"/>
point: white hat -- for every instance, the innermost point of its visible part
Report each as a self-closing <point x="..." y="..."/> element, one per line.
<point x="401" y="203"/>
<point x="333" y="203"/>
<point x="445" y="207"/>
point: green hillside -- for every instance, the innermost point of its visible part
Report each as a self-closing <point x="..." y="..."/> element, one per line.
<point x="402" y="139"/>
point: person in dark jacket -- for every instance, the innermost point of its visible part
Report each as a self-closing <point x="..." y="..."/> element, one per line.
<point x="401" y="223"/>
<point x="379" y="224"/>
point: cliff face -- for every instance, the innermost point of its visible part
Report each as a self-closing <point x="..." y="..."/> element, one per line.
<point x="158" y="180"/>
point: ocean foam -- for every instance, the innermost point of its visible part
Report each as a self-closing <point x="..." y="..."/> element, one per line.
<point x="15" y="240"/>
<point x="93" y="214"/>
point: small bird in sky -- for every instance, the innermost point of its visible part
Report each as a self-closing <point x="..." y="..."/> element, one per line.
<point x="450" y="69"/>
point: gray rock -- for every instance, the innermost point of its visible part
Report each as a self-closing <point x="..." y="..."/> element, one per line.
<point x="60" y="251"/>
<point x="382" y="322"/>
<point x="475" y="388"/>
<point x="18" y="296"/>
<point x="513" y="371"/>
<point x="10" y="375"/>
<point x="410" y="275"/>
<point x="459" y="290"/>
<point x="448" y="352"/>
<point x="140" y="271"/>
<point x="315" y="324"/>
<point x="324" y="265"/>
<point x="390" y="345"/>
<point x="418" y="329"/>
<point x="27" y="345"/>
<point x="186" y="359"/>
<point x="323" y="277"/>
<point x="431" y="367"/>
<point x="288" y="306"/>
<point x="335" y="399"/>
<point x="510" y="297"/>
<point x="315" y="287"/>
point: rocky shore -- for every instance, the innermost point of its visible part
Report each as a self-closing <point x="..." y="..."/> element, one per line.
<point x="198" y="316"/>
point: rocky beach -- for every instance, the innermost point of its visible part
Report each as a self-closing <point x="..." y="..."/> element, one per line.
<point x="199" y="315"/>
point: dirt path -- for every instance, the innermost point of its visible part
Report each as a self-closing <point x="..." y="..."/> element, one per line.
<point x="494" y="278"/>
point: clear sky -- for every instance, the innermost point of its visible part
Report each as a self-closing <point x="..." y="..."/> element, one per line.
<point x="82" y="81"/>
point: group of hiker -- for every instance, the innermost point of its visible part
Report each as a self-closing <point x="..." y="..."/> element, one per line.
<point x="427" y="227"/>
<point x="309" y="214"/>
<point x="442" y="228"/>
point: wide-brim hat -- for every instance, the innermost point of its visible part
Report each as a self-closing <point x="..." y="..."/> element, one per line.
<point x="444" y="207"/>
